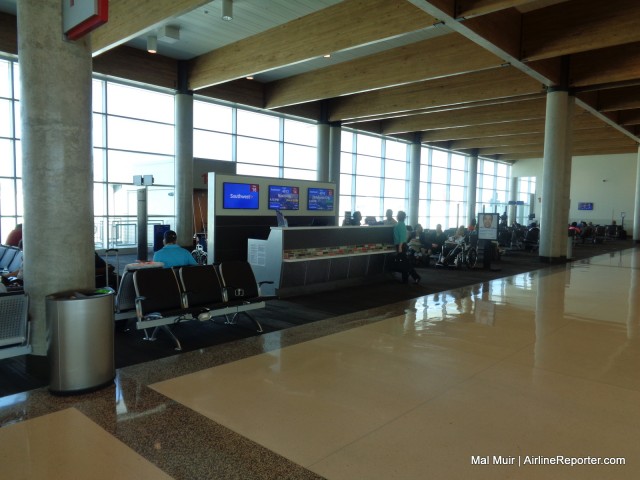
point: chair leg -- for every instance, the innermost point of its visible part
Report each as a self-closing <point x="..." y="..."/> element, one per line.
<point x="259" y="327"/>
<point x="168" y="331"/>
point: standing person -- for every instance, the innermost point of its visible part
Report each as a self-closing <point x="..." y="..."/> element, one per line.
<point x="389" y="220"/>
<point x="173" y="255"/>
<point x="15" y="236"/>
<point x="400" y="242"/>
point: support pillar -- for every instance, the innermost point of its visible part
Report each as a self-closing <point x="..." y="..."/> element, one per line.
<point x="472" y="182"/>
<point x="414" y="180"/>
<point x="513" y="197"/>
<point x="556" y="176"/>
<point x="57" y="165"/>
<point x="324" y="149"/>
<point x="183" y="102"/>
<point x="335" y="142"/>
<point x="636" y="210"/>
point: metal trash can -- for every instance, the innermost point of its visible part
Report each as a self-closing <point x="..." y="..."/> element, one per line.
<point x="80" y="325"/>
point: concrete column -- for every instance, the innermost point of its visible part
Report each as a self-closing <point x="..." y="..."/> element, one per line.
<point x="335" y="142"/>
<point x="57" y="165"/>
<point x="556" y="176"/>
<point x="184" y="168"/>
<point x="414" y="181"/>
<point x="183" y="103"/>
<point x="513" y="197"/>
<point x="636" y="210"/>
<point x="472" y="182"/>
<point x="324" y="149"/>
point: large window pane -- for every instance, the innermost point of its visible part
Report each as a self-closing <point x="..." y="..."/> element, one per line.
<point x="212" y="145"/>
<point x="137" y="135"/>
<point x="439" y="158"/>
<point x="6" y="158"/>
<point x="97" y="93"/>
<point x="258" y="170"/>
<point x="369" y="145"/>
<point x="128" y="101"/>
<point x="300" y="132"/>
<point x="439" y="175"/>
<point x="5" y="79"/>
<point x="346" y="187"/>
<point x="346" y="162"/>
<point x="6" y="125"/>
<point x="260" y="152"/>
<point x="395" y="169"/>
<point x="368" y="165"/>
<point x="298" y="156"/>
<point x="369" y="186"/>
<point x="161" y="201"/>
<point x="99" y="165"/>
<point x="396" y="150"/>
<point x="346" y="141"/>
<point x="458" y="177"/>
<point x="8" y="191"/>
<point x="368" y="206"/>
<point x="99" y="199"/>
<point x="395" y="188"/>
<point x="98" y="131"/>
<point x="124" y="165"/>
<point x="258" y="125"/>
<point x="300" y="174"/>
<point x="209" y="116"/>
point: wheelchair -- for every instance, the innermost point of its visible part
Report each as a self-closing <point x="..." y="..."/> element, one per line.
<point x="464" y="254"/>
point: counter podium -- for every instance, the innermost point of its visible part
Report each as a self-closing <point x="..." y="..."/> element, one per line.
<point x="309" y="259"/>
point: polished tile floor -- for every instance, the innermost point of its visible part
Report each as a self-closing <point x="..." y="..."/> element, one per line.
<point x="512" y="378"/>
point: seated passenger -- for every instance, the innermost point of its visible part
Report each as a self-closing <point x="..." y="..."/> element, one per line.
<point x="439" y="240"/>
<point x="451" y="246"/>
<point x="173" y="255"/>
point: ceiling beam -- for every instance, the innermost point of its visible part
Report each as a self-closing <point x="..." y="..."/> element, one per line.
<point x="576" y="152"/>
<point x="629" y="117"/>
<point x="343" y="26"/>
<point x="131" y="18"/>
<point x="606" y="66"/>
<point x="498" y="33"/>
<point x="498" y="141"/>
<point x="618" y="99"/>
<point x="473" y="8"/>
<point x="492" y="84"/>
<point x="460" y="117"/>
<point x="437" y="57"/>
<point x="580" y="121"/>
<point x="573" y="27"/>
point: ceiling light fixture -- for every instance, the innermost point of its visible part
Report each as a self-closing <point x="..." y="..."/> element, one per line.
<point x="328" y="55"/>
<point x="227" y="9"/>
<point x="250" y="77"/>
<point x="152" y="44"/>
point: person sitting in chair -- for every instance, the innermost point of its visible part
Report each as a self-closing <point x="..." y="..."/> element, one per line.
<point x="173" y="255"/>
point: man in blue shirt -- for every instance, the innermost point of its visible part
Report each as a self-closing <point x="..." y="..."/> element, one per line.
<point x="173" y="255"/>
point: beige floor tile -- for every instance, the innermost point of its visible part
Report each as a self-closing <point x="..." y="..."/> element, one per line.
<point x="507" y="411"/>
<point x="67" y="445"/>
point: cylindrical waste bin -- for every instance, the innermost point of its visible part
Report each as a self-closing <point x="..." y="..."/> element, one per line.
<point x="80" y="326"/>
<point x="570" y="245"/>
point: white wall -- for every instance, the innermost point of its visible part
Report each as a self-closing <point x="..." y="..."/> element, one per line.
<point x="607" y="181"/>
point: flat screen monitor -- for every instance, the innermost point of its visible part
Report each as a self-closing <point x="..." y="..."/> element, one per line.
<point x="240" y="196"/>
<point x="320" y="199"/>
<point x="585" y="206"/>
<point x="284" y="198"/>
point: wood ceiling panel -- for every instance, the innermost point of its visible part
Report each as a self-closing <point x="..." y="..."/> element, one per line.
<point x="342" y="26"/>
<point x="433" y="58"/>
<point x="579" y="26"/>
<point x="505" y="82"/>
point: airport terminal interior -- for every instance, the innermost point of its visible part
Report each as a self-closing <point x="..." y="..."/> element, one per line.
<point x="127" y="118"/>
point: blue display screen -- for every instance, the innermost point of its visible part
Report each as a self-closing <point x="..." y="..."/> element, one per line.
<point x="585" y="206"/>
<point x="320" y="199"/>
<point x="284" y="198"/>
<point x="241" y="196"/>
